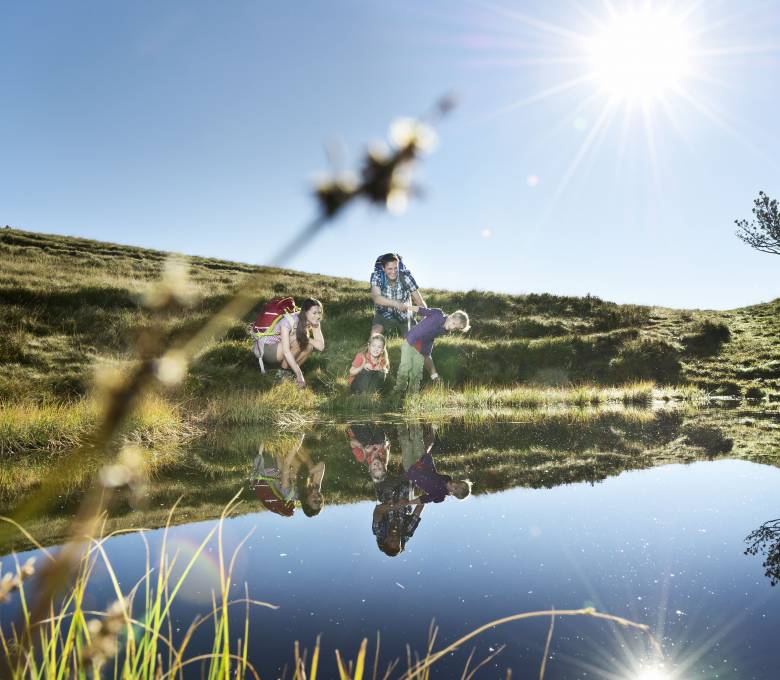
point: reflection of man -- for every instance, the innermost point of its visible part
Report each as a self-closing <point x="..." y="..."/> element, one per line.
<point x="394" y="522"/>
<point x="393" y="290"/>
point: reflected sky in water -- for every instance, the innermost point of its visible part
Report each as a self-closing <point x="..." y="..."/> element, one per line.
<point x="663" y="546"/>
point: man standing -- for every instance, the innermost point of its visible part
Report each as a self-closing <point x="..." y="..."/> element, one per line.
<point x="394" y="290"/>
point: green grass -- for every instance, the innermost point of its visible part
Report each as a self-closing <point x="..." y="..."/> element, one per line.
<point x="480" y="398"/>
<point x="280" y="403"/>
<point x="30" y="426"/>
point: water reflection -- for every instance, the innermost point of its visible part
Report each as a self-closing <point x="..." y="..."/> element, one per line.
<point x="402" y="494"/>
<point x="280" y="479"/>
<point x="396" y="515"/>
<point x="541" y="450"/>
<point x="766" y="541"/>
<point x="370" y="445"/>
<point x="420" y="469"/>
<point x="658" y="543"/>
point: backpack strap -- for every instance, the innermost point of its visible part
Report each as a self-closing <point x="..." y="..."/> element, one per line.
<point x="403" y="272"/>
<point x="259" y="338"/>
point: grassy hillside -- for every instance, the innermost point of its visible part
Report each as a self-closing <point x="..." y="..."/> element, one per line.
<point x="70" y="306"/>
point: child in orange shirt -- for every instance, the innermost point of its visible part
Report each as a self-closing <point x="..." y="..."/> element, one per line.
<point x="370" y="367"/>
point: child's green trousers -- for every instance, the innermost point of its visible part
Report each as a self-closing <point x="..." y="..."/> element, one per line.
<point x="410" y="370"/>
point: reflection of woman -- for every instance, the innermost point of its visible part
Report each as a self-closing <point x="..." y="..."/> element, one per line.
<point x="278" y="481"/>
<point x="309" y="487"/>
<point x="296" y="336"/>
<point x="371" y="446"/>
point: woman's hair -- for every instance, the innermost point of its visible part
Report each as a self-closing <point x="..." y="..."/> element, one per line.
<point x="304" y="489"/>
<point x="385" y="357"/>
<point x="302" y="331"/>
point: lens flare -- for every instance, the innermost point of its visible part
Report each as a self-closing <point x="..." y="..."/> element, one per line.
<point x="653" y="674"/>
<point x="641" y="55"/>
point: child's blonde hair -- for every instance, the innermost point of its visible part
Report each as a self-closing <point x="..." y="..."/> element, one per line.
<point x="461" y="316"/>
<point x="385" y="357"/>
<point x="462" y="489"/>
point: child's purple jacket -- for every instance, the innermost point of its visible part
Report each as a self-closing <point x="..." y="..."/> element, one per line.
<point x="422" y="335"/>
<point x="424" y="476"/>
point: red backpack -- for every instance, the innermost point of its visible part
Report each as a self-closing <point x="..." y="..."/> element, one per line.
<point x="265" y="324"/>
<point x="272" y="312"/>
<point x="269" y="497"/>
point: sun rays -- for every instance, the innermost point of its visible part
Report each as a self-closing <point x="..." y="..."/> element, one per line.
<point x="643" y="74"/>
<point x="640" y="55"/>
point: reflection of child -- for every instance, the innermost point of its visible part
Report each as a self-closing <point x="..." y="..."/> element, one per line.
<point x="370" y="445"/>
<point x="394" y="522"/>
<point x="415" y="440"/>
<point x="436" y="486"/>
<point x="369" y="367"/>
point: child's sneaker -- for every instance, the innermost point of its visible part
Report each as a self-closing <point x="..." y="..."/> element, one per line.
<point x="395" y="400"/>
<point x="284" y="375"/>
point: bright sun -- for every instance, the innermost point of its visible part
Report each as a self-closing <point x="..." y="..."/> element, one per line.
<point x="640" y="55"/>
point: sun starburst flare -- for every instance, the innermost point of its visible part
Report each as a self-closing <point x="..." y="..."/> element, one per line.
<point x="635" y="78"/>
<point x="641" y="55"/>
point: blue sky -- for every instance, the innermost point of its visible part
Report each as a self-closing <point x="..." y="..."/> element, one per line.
<point x="197" y="127"/>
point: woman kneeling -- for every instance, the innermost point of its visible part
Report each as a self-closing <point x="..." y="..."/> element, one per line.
<point x="298" y="336"/>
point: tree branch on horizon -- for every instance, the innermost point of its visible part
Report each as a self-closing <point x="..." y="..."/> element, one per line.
<point x="762" y="233"/>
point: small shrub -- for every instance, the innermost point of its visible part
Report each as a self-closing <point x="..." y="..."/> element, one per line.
<point x="711" y="439"/>
<point x="706" y="338"/>
<point x="14" y="348"/>
<point x="728" y="388"/>
<point x="754" y="392"/>
<point x="646" y="359"/>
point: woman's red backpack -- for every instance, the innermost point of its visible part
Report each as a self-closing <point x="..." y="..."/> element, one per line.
<point x="272" y="312"/>
<point x="264" y="325"/>
<point x="270" y="499"/>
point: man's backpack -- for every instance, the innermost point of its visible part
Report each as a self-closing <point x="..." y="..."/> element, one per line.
<point x="265" y="324"/>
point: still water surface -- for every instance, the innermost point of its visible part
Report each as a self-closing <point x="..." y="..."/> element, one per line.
<point x="553" y="521"/>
